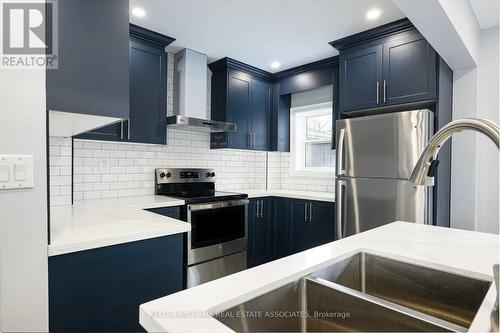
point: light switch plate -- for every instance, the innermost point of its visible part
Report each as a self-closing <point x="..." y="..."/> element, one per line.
<point x="16" y="171"/>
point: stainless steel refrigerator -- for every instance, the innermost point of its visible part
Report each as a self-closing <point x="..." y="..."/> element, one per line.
<point x="375" y="156"/>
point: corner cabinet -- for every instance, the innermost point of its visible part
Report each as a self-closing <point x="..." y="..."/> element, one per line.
<point x="385" y="66"/>
<point x="100" y="290"/>
<point x="278" y="227"/>
<point x="147" y="96"/>
<point x="241" y="94"/>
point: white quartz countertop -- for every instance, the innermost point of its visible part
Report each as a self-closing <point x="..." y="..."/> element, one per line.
<point x="452" y="250"/>
<point x="305" y="195"/>
<point x="102" y="222"/>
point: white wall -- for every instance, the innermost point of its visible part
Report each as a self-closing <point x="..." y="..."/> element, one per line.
<point x="23" y="213"/>
<point x="475" y="183"/>
<point x="487" y="168"/>
<point x="463" y="152"/>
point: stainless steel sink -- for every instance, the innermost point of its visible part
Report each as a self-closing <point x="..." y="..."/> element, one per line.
<point x="308" y="305"/>
<point x="450" y="297"/>
<point x="364" y="292"/>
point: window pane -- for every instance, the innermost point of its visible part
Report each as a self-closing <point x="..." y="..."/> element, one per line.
<point x="319" y="127"/>
<point x="319" y="155"/>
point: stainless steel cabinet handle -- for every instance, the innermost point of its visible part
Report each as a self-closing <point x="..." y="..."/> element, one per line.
<point x="253" y="141"/>
<point x="378" y="92"/>
<point x="128" y="129"/>
<point x="249" y="140"/>
<point x="258" y="210"/>
<point x="385" y="91"/>
<point x="262" y="208"/>
<point x="305" y="212"/>
<point x="310" y="212"/>
<point x="121" y="130"/>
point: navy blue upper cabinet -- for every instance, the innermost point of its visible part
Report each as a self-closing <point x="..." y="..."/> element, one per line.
<point x="409" y="70"/>
<point x="92" y="75"/>
<point x="360" y="78"/>
<point x="389" y="65"/>
<point x="241" y="94"/>
<point x="148" y="89"/>
<point x="238" y="111"/>
<point x="260" y="106"/>
<point x="148" y="86"/>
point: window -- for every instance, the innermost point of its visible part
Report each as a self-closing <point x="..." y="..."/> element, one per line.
<point x="311" y="140"/>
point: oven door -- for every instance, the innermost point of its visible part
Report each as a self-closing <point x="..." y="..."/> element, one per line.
<point x="217" y="229"/>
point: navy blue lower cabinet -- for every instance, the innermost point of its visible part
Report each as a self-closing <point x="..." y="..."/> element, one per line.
<point x="282" y="227"/>
<point x="301" y="229"/>
<point x="261" y="236"/>
<point x="100" y="290"/>
<point x="323" y="221"/>
<point x="278" y="227"/>
<point x="173" y="212"/>
<point x="312" y="224"/>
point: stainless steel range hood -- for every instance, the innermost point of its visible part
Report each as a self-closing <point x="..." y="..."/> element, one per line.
<point x="190" y="96"/>
<point x="184" y="123"/>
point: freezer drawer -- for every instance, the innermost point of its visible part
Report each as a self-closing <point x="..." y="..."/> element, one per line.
<point x="382" y="146"/>
<point x="363" y="204"/>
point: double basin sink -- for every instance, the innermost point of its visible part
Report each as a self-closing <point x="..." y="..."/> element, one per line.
<point x="364" y="292"/>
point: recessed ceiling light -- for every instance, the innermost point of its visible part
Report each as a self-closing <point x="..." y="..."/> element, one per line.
<point x="372" y="14"/>
<point x="275" y="65"/>
<point x="138" y="12"/>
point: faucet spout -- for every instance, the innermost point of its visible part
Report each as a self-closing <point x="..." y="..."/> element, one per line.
<point x="423" y="173"/>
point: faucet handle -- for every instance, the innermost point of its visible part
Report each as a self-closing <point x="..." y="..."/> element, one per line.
<point x="431" y="172"/>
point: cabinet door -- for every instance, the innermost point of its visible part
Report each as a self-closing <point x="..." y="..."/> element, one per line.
<point x="360" y="78"/>
<point x="92" y="75"/>
<point x="100" y="290"/>
<point x="251" y="220"/>
<point x="322" y="219"/>
<point x="301" y="228"/>
<point x="239" y="86"/>
<point x="409" y="70"/>
<point x="148" y="87"/>
<point x="264" y="233"/>
<point x="283" y="229"/>
<point x="260" y="112"/>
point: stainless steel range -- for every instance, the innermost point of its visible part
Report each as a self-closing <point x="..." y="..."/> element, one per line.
<point x="217" y="243"/>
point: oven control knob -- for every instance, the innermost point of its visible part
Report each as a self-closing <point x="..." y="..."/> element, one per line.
<point x="165" y="175"/>
<point x="207" y="174"/>
<point x="212" y="174"/>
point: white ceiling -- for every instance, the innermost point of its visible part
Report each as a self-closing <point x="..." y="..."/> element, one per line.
<point x="258" y="32"/>
<point x="486" y="11"/>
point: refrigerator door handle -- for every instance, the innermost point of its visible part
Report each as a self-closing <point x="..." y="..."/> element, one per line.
<point x="340" y="153"/>
<point x="340" y="207"/>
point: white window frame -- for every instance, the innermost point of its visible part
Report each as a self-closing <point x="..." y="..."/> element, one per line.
<point x="297" y="156"/>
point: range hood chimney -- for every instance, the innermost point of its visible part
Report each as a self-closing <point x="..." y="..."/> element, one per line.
<point x="190" y="95"/>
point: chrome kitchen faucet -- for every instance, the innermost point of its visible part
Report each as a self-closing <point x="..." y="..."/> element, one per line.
<point x="424" y="170"/>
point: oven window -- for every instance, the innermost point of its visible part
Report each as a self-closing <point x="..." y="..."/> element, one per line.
<point x="215" y="226"/>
